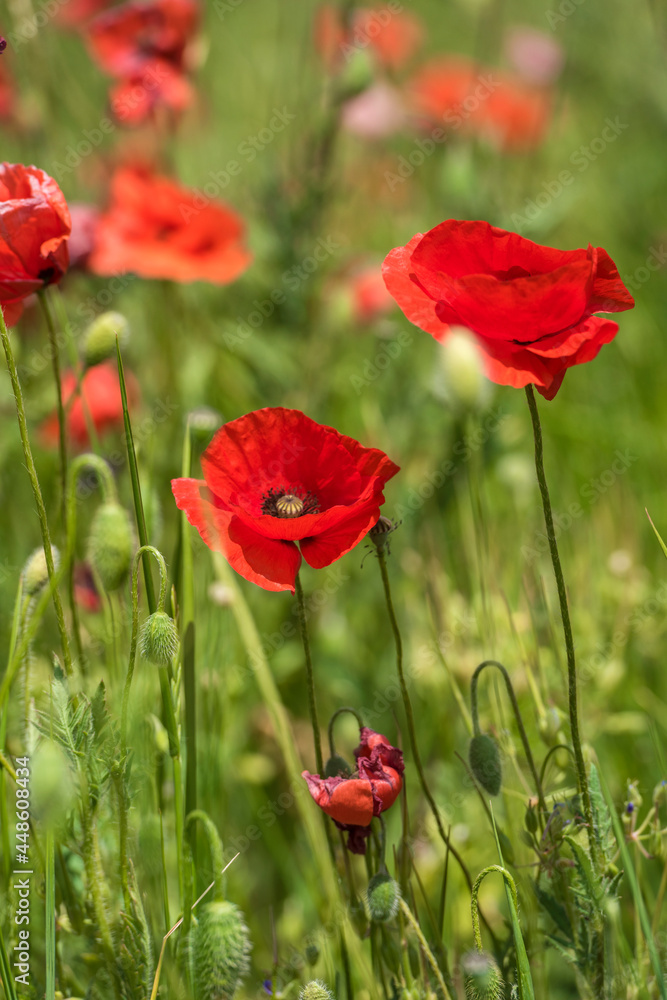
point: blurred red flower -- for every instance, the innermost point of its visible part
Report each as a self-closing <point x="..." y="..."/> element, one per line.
<point x="353" y="801"/>
<point x="86" y="594"/>
<point x="7" y="93"/>
<point x="156" y="228"/>
<point x="82" y="238"/>
<point x="391" y="36"/>
<point x="530" y="307"/>
<point x="74" y="13"/>
<point x="370" y="298"/>
<point x="100" y="390"/>
<point x="502" y="108"/>
<point x="144" y="43"/>
<point x="34" y="228"/>
<point x="274" y="478"/>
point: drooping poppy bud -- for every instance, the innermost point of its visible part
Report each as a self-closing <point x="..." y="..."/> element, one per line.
<point x="481" y="976"/>
<point x="219" y="951"/>
<point x="158" y="639"/>
<point x="35" y="572"/>
<point x="110" y="544"/>
<point x="383" y="897"/>
<point x="100" y="338"/>
<point x="484" y="759"/>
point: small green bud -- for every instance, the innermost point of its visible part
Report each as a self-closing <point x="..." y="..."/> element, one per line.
<point x="484" y="759"/>
<point x="158" y="639"/>
<point x="316" y="990"/>
<point x="110" y="544"/>
<point x="219" y="951"/>
<point x="462" y="379"/>
<point x="204" y="421"/>
<point x="99" y="342"/>
<point x="337" y="765"/>
<point x="383" y="897"/>
<point x="312" y="953"/>
<point x="35" y="573"/>
<point x="481" y="976"/>
<point x="530" y="819"/>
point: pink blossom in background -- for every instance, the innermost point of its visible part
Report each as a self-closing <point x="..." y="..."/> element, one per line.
<point x="536" y="56"/>
<point x="375" y="113"/>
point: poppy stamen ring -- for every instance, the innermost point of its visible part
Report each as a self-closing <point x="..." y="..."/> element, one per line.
<point x="291" y="502"/>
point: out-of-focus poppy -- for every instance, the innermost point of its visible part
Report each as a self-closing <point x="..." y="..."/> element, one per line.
<point x="530" y="307"/>
<point x="353" y="801"/>
<point x="100" y="390"/>
<point x="82" y="238"/>
<point x="144" y="44"/>
<point x="459" y="94"/>
<point x="391" y="37"/>
<point x="156" y="228"/>
<point x="34" y="228"/>
<point x="274" y="478"/>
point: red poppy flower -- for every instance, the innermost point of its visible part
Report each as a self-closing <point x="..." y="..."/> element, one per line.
<point x="274" y="478"/>
<point x="34" y="228"/>
<point x="7" y="93"/>
<point x="370" y="298"/>
<point x="75" y="12"/>
<point x="391" y="36"/>
<point x="530" y="307"/>
<point x="144" y="43"/>
<point x="86" y="594"/>
<point x="158" y="229"/>
<point x="502" y="108"/>
<point x="101" y="391"/>
<point x="353" y="801"/>
<point x="82" y="238"/>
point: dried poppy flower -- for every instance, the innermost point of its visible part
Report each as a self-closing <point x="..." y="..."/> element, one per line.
<point x="34" y="229"/>
<point x="101" y="391"/>
<point x="530" y="307"/>
<point x="156" y="228"/>
<point x="353" y="801"/>
<point x="474" y="99"/>
<point x="274" y="478"/>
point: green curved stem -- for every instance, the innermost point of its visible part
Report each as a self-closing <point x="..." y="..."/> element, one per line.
<point x="582" y="777"/>
<point x="312" y="703"/>
<point x="552" y="751"/>
<point x="37" y="493"/>
<point x="517" y="716"/>
<point x="332" y="720"/>
<point x="214" y="846"/>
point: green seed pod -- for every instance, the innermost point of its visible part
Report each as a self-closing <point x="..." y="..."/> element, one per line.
<point x="383" y="897"/>
<point x="35" y="573"/>
<point x="484" y="760"/>
<point x="531" y="819"/>
<point x="481" y="976"/>
<point x="99" y="341"/>
<point x="218" y="951"/>
<point x="316" y="990"/>
<point x="158" y="639"/>
<point x="110" y="544"/>
<point x="312" y="953"/>
<point x="337" y="765"/>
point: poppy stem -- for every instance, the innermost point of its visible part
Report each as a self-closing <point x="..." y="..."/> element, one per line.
<point x="411" y="722"/>
<point x="62" y="439"/>
<point x="37" y="493"/>
<point x="309" y="675"/>
<point x="582" y="777"/>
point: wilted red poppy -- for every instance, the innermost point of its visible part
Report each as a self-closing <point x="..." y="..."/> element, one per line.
<point x="460" y="94"/>
<point x="34" y="228"/>
<point x="158" y="229"/>
<point x="353" y="801"/>
<point x="530" y="307"/>
<point x="144" y="43"/>
<point x="390" y="36"/>
<point x="101" y="391"/>
<point x="274" y="478"/>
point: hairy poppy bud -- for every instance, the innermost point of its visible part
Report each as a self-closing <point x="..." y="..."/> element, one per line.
<point x="100" y="338"/>
<point x="110" y="544"/>
<point x="158" y="639"/>
<point x="481" y="976"/>
<point x="531" y="819"/>
<point x="383" y="897"/>
<point x="219" y="951"/>
<point x="484" y="760"/>
<point x="316" y="990"/>
<point x="337" y="765"/>
<point x="463" y="383"/>
<point x="35" y="573"/>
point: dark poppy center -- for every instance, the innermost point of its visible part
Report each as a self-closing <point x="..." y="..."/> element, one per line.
<point x="293" y="502"/>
